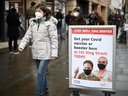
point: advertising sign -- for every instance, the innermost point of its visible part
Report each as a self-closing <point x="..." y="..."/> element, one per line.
<point x="92" y="57"/>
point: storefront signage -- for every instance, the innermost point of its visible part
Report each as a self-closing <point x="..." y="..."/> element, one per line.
<point x="92" y="57"/>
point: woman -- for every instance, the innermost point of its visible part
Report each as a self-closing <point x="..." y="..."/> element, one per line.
<point x="45" y="44"/>
<point x="77" y="18"/>
<point x="13" y="30"/>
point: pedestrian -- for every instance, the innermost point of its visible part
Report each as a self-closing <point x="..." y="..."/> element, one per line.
<point x="110" y="19"/>
<point x="13" y="30"/>
<point x="99" y="18"/>
<point x="67" y="19"/>
<point x="45" y="44"/>
<point x="91" y="18"/>
<point x="30" y="13"/>
<point x="59" y="17"/>
<point x="77" y="18"/>
<point x="51" y="18"/>
<point x="117" y="22"/>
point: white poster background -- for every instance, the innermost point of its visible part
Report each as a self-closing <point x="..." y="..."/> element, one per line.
<point x="102" y="46"/>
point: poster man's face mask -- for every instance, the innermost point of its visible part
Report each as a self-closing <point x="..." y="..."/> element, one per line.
<point x="87" y="72"/>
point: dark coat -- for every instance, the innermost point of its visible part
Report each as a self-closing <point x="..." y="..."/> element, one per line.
<point x="13" y="25"/>
<point x="77" y="20"/>
<point x="67" y="18"/>
<point x="91" y="19"/>
<point x="59" y="17"/>
<point x="30" y="13"/>
<point x="117" y="21"/>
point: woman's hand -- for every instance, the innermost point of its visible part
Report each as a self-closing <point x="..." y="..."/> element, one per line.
<point x="53" y="58"/>
<point x="20" y="50"/>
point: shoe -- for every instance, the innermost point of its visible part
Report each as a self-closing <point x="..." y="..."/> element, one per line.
<point x="62" y="38"/>
<point x="45" y="91"/>
<point x="16" y="52"/>
<point x="11" y="52"/>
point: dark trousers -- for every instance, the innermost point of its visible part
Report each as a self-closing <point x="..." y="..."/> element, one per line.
<point x="10" y="43"/>
<point x="117" y="27"/>
<point x="102" y="23"/>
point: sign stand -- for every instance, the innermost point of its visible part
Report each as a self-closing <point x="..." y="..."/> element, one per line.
<point x="75" y="92"/>
<point x="108" y="93"/>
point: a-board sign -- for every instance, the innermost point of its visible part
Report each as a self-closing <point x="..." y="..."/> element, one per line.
<point x="92" y="52"/>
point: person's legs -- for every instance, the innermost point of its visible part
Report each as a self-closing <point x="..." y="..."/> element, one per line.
<point x="15" y="43"/>
<point x="42" y="80"/>
<point x="10" y="44"/>
<point x="61" y="32"/>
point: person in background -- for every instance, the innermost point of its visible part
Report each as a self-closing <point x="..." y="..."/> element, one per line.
<point x="45" y="44"/>
<point x="117" y="21"/>
<point x="59" y="17"/>
<point x="103" y="73"/>
<point x="67" y="19"/>
<point x="91" y="18"/>
<point x="30" y="13"/>
<point x="13" y="30"/>
<point x="77" y="18"/>
<point x="99" y="18"/>
<point x="51" y="18"/>
<point x="110" y="19"/>
<point x="87" y="74"/>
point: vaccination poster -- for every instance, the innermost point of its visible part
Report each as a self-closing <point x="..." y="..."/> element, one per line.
<point x="92" y="57"/>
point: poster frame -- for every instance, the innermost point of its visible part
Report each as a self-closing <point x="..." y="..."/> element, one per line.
<point x="71" y="86"/>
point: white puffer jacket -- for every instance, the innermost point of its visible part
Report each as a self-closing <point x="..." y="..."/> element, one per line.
<point x="45" y="39"/>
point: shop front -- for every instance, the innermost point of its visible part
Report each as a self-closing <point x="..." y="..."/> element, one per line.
<point x="6" y="5"/>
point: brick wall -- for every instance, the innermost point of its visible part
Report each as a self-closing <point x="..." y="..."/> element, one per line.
<point x="70" y="5"/>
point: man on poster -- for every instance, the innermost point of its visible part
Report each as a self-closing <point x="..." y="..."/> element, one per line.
<point x="87" y="74"/>
<point x="103" y="73"/>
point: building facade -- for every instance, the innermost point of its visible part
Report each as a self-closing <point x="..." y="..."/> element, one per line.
<point x="86" y="6"/>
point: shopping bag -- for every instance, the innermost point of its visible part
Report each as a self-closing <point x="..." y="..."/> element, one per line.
<point x="119" y="32"/>
<point x="22" y="27"/>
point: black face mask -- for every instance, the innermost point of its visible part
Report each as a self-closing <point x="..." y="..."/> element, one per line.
<point x="101" y="66"/>
<point x="87" y="72"/>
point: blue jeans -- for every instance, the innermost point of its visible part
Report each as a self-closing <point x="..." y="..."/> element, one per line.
<point x="61" y="31"/>
<point x="42" y="80"/>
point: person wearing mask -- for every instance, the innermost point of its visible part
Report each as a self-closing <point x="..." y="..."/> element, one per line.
<point x="13" y="30"/>
<point x="67" y="19"/>
<point x="59" y="17"/>
<point x="30" y="13"/>
<point x="117" y="22"/>
<point x="103" y="73"/>
<point x="99" y="19"/>
<point x="77" y="18"/>
<point x="45" y="44"/>
<point x="87" y="72"/>
<point x="51" y="18"/>
<point x="110" y="19"/>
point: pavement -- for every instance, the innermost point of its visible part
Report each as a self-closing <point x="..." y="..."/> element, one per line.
<point x="18" y="73"/>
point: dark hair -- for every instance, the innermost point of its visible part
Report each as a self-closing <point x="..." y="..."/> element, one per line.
<point x="13" y="10"/>
<point x="43" y="8"/>
<point x="33" y="3"/>
<point x="49" y="11"/>
<point x="69" y="12"/>
<point x="88" y="61"/>
<point x="77" y="9"/>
